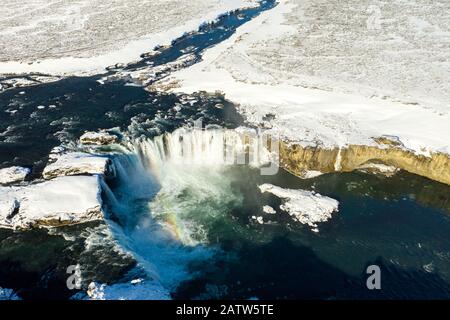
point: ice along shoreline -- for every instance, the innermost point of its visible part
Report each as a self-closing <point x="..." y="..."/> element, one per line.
<point x="73" y="63"/>
<point x="321" y="130"/>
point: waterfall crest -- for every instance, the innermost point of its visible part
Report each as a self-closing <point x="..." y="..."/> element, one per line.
<point x="169" y="189"/>
<point x="210" y="147"/>
<point x="172" y="189"/>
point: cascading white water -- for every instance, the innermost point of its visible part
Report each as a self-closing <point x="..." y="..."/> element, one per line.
<point x="170" y="189"/>
<point x="214" y="147"/>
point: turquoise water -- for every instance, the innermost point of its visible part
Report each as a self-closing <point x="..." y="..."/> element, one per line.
<point x="399" y="223"/>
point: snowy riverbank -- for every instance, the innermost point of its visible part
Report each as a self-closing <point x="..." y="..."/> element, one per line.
<point x="248" y="68"/>
<point x="86" y="37"/>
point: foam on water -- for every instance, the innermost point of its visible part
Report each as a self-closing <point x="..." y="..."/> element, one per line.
<point x="212" y="147"/>
<point x="169" y="190"/>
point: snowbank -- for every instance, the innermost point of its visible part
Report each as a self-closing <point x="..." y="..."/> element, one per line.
<point x="58" y="202"/>
<point x="135" y="290"/>
<point x="246" y="67"/>
<point x="78" y="163"/>
<point x="305" y="207"/>
<point x="85" y="37"/>
<point x="13" y="174"/>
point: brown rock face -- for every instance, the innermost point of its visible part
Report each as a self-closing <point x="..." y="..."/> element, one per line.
<point x="98" y="138"/>
<point x="298" y="160"/>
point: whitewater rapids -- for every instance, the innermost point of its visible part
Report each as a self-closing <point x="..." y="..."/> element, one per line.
<point x="170" y="189"/>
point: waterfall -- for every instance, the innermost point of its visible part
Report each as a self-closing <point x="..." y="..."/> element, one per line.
<point x="170" y="189"/>
<point x="110" y="196"/>
<point x="212" y="147"/>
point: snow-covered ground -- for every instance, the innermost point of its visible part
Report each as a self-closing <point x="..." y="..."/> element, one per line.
<point x="62" y="201"/>
<point x="78" y="163"/>
<point x="13" y="174"/>
<point x="335" y="74"/>
<point x="61" y="36"/>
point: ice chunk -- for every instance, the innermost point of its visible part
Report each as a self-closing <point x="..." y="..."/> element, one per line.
<point x="269" y="210"/>
<point x="258" y="219"/>
<point x="306" y="207"/>
<point x="13" y="174"/>
<point x="379" y="168"/>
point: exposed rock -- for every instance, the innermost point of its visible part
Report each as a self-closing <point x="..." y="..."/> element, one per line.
<point x="358" y="105"/>
<point x="148" y="76"/>
<point x="98" y="138"/>
<point x="78" y="163"/>
<point x="304" y="206"/>
<point x="59" y="202"/>
<point x="163" y="86"/>
<point x="298" y="159"/>
<point x="13" y="174"/>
